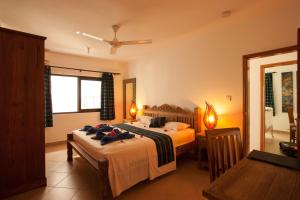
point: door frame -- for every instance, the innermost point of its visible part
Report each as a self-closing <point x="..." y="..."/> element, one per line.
<point x="298" y="86"/>
<point x="246" y="58"/>
<point x="126" y="81"/>
<point x="262" y="96"/>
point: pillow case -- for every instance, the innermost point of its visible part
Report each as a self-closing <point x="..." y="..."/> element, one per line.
<point x="177" y="126"/>
<point x="157" y="122"/>
<point x="144" y="119"/>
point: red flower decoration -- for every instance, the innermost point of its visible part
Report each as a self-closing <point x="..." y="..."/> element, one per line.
<point x="112" y="133"/>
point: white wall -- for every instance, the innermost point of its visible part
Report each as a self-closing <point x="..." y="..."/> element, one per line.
<point x="65" y="123"/>
<point x="281" y="119"/>
<point x="254" y="90"/>
<point x="207" y="64"/>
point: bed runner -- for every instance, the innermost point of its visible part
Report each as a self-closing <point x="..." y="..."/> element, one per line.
<point x="163" y="142"/>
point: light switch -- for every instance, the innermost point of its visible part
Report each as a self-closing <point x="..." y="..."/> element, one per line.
<point x="229" y="97"/>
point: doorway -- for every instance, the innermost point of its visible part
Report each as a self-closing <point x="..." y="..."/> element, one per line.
<point x="278" y="103"/>
<point x="254" y="123"/>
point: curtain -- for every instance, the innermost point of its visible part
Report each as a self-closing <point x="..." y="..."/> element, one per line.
<point x="48" y="100"/>
<point x="107" y="97"/>
<point x="269" y="96"/>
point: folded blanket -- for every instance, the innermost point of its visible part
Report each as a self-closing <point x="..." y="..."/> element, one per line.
<point x="163" y="142"/>
<point x="115" y="135"/>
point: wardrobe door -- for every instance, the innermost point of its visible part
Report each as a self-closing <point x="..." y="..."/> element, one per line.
<point x="22" y="145"/>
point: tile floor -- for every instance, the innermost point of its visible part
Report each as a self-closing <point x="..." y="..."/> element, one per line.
<point x="272" y="143"/>
<point x="78" y="181"/>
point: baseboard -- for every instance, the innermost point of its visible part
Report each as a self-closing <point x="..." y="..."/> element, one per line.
<point x="55" y="143"/>
<point x="279" y="131"/>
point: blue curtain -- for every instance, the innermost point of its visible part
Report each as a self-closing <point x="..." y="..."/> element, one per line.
<point x="48" y="99"/>
<point x="107" y="97"/>
<point x="269" y="95"/>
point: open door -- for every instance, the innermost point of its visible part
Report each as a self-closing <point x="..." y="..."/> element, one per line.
<point x="298" y="104"/>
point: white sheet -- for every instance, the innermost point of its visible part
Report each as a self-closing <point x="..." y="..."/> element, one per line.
<point x="133" y="160"/>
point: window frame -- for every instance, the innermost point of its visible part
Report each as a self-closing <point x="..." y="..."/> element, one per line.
<point x="79" y="78"/>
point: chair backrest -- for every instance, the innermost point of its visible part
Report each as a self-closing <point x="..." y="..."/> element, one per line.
<point x="291" y="115"/>
<point x="224" y="149"/>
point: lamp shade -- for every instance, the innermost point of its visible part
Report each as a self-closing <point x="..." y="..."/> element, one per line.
<point x="210" y="117"/>
<point x="133" y="110"/>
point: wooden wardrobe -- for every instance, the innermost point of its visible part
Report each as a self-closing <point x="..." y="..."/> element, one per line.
<point x="22" y="132"/>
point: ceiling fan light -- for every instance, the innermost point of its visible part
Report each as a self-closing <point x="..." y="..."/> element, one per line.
<point x="92" y="36"/>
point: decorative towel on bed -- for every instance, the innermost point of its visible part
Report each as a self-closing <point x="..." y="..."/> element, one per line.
<point x="115" y="135"/>
<point x="99" y="128"/>
<point x="163" y="142"/>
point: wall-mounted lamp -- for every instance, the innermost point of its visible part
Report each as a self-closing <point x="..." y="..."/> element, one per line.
<point x="210" y="117"/>
<point x="133" y="110"/>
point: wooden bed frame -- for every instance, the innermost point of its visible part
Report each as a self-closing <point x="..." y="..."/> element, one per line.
<point x="172" y="113"/>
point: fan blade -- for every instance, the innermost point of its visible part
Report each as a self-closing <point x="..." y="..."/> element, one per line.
<point x="91" y="36"/>
<point x="133" y="42"/>
<point x="113" y="50"/>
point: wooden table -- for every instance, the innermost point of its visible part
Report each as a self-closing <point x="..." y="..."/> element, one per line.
<point x="255" y="180"/>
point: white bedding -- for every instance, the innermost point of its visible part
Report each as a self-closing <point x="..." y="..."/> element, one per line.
<point x="133" y="160"/>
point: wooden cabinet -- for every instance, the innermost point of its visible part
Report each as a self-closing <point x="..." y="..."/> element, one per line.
<point x="22" y="137"/>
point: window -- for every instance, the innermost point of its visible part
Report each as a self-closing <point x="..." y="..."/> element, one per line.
<point x="90" y="94"/>
<point x="64" y="94"/>
<point x="75" y="94"/>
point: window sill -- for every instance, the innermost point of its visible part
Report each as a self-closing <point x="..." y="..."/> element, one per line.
<point x="78" y="112"/>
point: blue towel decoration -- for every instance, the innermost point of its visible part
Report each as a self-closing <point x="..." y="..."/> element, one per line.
<point x="99" y="135"/>
<point x="89" y="129"/>
<point x="106" y="128"/>
<point x="99" y="128"/>
<point x="115" y="135"/>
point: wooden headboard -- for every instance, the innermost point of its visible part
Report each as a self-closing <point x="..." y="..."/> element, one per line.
<point x="175" y="114"/>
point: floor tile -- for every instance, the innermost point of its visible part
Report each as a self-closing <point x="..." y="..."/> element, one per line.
<point x="35" y="194"/>
<point x="77" y="180"/>
<point x="53" y="178"/>
<point x="59" y="194"/>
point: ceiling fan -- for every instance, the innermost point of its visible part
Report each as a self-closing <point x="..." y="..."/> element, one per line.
<point x="115" y="43"/>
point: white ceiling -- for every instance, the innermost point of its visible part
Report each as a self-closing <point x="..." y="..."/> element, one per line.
<point x="158" y="20"/>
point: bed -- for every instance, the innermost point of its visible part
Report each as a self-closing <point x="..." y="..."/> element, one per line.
<point x="106" y="159"/>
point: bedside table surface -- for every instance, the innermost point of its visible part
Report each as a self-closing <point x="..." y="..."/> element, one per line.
<point x="129" y="120"/>
<point x="200" y="135"/>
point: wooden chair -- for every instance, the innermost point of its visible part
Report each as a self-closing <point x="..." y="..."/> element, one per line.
<point x="224" y="149"/>
<point x="293" y="127"/>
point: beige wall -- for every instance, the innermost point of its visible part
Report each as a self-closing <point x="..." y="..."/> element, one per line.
<point x="207" y="64"/>
<point x="65" y="123"/>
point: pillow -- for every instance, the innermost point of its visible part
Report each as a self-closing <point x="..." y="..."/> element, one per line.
<point x="157" y="122"/>
<point x="144" y="119"/>
<point x="177" y="126"/>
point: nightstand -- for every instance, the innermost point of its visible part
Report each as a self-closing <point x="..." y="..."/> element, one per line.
<point x="202" y="150"/>
<point x="129" y="120"/>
